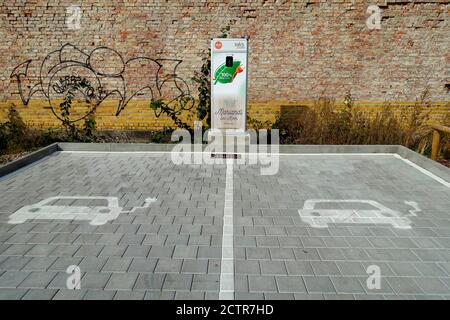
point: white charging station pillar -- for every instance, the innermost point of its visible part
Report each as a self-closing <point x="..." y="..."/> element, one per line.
<point x="229" y="86"/>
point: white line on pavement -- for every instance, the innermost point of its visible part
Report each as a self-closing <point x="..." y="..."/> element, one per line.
<point x="424" y="171"/>
<point x="227" y="263"/>
<point x="246" y="153"/>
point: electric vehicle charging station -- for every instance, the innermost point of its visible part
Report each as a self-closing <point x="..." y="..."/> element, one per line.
<point x="229" y="72"/>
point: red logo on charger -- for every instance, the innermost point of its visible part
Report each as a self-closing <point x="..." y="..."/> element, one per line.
<point x="218" y="45"/>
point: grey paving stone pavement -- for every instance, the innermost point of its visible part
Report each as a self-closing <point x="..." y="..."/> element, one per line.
<point x="332" y="262"/>
<point x="172" y="248"/>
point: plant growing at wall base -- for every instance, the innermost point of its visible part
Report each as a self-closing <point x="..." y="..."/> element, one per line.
<point x="173" y="110"/>
<point x="90" y="127"/>
<point x="73" y="132"/>
<point x="14" y="134"/>
<point x="163" y="136"/>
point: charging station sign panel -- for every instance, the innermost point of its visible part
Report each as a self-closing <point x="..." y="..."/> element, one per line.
<point x="228" y="84"/>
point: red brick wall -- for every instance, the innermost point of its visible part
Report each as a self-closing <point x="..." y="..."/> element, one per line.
<point x="298" y="49"/>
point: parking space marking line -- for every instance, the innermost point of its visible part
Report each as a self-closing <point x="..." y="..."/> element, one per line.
<point x="424" y="171"/>
<point x="227" y="263"/>
<point x="247" y="153"/>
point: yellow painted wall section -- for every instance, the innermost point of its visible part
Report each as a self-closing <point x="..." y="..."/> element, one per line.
<point x="138" y="115"/>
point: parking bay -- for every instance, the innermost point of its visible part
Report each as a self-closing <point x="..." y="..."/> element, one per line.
<point x="173" y="247"/>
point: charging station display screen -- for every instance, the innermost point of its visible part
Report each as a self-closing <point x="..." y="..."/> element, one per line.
<point x="228" y="84"/>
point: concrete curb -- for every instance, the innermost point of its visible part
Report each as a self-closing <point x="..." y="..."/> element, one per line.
<point x="116" y="147"/>
<point x="28" y="159"/>
<point x="427" y="164"/>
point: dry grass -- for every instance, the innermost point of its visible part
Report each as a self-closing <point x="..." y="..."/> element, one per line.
<point x="5" y="158"/>
<point x="326" y="123"/>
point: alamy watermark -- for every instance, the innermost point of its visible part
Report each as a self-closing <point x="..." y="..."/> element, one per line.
<point x="73" y="17"/>
<point x="374" y="21"/>
<point x="373" y="282"/>
<point x="252" y="147"/>
<point x="73" y="281"/>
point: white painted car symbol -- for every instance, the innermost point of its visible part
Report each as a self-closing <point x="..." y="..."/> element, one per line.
<point x="320" y="218"/>
<point x="97" y="215"/>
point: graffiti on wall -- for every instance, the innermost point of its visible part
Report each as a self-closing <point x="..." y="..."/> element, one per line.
<point x="99" y="75"/>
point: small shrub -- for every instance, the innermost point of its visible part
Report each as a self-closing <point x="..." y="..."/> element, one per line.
<point x="15" y="136"/>
<point x="89" y="131"/>
<point x="163" y="136"/>
<point x="74" y="133"/>
<point x="174" y="110"/>
<point x="3" y="137"/>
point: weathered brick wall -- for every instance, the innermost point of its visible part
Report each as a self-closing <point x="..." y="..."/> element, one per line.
<point x="299" y="50"/>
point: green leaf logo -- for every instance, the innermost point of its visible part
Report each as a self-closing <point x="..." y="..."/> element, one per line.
<point x="226" y="74"/>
